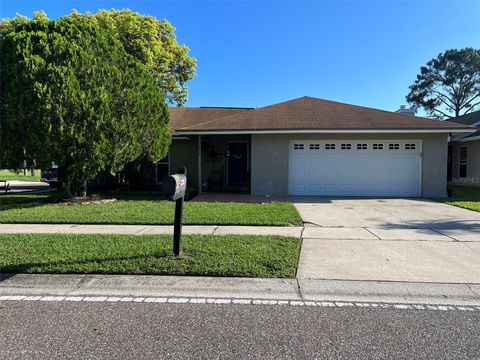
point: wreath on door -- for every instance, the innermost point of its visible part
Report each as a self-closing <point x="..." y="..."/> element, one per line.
<point x="212" y="153"/>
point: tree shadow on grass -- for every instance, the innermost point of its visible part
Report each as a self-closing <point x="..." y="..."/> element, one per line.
<point x="69" y="266"/>
<point x="28" y="200"/>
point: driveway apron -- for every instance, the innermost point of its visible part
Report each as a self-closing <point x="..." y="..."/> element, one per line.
<point x="413" y="240"/>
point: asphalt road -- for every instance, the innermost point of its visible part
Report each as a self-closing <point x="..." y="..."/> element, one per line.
<point x="46" y="330"/>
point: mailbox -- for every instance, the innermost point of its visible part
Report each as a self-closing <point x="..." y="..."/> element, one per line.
<point x="174" y="186"/>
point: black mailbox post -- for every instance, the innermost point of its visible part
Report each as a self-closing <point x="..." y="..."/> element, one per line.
<point x="174" y="187"/>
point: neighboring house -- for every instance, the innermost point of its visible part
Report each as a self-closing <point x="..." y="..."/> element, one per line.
<point x="406" y="111"/>
<point x="464" y="152"/>
<point x="309" y="146"/>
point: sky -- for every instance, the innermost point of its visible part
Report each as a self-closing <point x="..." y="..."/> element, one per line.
<point x="252" y="53"/>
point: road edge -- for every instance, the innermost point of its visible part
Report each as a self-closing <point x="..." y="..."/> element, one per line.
<point x="240" y="288"/>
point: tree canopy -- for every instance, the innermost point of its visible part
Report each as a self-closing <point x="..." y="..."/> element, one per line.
<point x="449" y="85"/>
<point x="153" y="43"/>
<point x="72" y="93"/>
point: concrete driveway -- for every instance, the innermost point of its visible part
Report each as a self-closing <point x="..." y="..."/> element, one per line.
<point x="413" y="240"/>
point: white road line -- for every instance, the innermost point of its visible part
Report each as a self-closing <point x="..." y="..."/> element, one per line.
<point x="226" y="301"/>
<point x="113" y="298"/>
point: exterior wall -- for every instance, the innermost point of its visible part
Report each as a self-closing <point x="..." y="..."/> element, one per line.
<point x="270" y="154"/>
<point x="434" y="165"/>
<point x="473" y="161"/>
<point x="184" y="152"/>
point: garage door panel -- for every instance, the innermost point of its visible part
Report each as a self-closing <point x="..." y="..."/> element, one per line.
<point x="383" y="170"/>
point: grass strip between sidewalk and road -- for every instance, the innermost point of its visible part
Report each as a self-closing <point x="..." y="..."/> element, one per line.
<point x="466" y="197"/>
<point x="233" y="255"/>
<point x="148" y="209"/>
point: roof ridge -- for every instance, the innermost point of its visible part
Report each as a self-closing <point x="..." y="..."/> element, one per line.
<point x="225" y="107"/>
<point x="251" y="109"/>
<point x="386" y="111"/>
<point x="221" y="117"/>
<point x="409" y="117"/>
<point x="209" y="107"/>
<point x="208" y="121"/>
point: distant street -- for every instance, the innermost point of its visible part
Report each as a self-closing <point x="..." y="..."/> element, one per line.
<point x="49" y="330"/>
<point x="26" y="186"/>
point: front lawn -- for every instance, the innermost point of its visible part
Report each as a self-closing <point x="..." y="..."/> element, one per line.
<point x="10" y="175"/>
<point x="466" y="197"/>
<point x="140" y="209"/>
<point x="247" y="256"/>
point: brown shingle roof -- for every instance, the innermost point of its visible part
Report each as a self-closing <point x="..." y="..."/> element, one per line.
<point x="307" y="113"/>
<point x="181" y="117"/>
<point x="467" y="119"/>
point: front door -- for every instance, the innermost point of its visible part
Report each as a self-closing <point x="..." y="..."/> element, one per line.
<point x="238" y="165"/>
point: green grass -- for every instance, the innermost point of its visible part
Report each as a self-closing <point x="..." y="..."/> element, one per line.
<point x="466" y="197"/>
<point x="141" y="209"/>
<point x="247" y="256"/>
<point x="10" y="175"/>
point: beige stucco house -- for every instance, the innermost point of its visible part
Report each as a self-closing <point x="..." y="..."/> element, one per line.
<point x="464" y="152"/>
<point x="310" y="146"/>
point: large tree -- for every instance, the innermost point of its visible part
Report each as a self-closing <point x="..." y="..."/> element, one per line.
<point x="153" y="42"/>
<point x="449" y="85"/>
<point x="72" y="94"/>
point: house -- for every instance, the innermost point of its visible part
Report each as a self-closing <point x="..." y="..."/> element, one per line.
<point x="464" y="152"/>
<point x="407" y="111"/>
<point x="310" y="146"/>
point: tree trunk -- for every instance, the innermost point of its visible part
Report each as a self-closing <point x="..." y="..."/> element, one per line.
<point x="77" y="187"/>
<point x="25" y="168"/>
<point x="34" y="165"/>
<point x="458" y="108"/>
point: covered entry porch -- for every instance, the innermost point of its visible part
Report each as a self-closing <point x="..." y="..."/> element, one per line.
<point x="215" y="163"/>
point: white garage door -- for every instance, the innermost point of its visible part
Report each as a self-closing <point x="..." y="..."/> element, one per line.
<point x="355" y="168"/>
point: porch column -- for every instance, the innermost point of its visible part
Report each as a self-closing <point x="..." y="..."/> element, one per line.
<point x="199" y="160"/>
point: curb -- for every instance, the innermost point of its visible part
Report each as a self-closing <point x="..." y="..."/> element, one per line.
<point x="223" y="301"/>
<point x="303" y="290"/>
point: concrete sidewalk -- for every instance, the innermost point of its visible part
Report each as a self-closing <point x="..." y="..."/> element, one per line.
<point x="240" y="288"/>
<point x="294" y="231"/>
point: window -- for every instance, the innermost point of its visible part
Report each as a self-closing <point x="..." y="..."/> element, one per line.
<point x="410" y="146"/>
<point x="377" y="146"/>
<point x="346" y="146"/>
<point x="362" y="146"/>
<point x="462" y="171"/>
<point x="314" y="146"/>
<point x="297" y="146"/>
<point x="393" y="146"/>
<point x="162" y="168"/>
<point x="329" y="146"/>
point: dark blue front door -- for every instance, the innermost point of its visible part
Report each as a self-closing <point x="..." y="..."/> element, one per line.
<point x="237" y="164"/>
